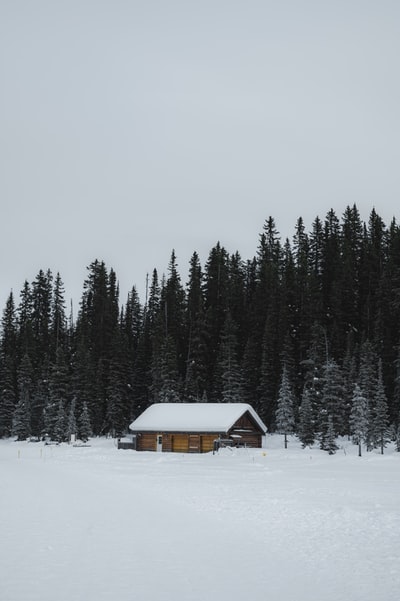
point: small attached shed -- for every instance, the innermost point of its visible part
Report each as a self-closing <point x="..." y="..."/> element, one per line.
<point x="195" y="427"/>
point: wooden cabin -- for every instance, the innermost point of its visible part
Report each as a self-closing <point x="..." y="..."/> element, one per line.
<point x="197" y="427"/>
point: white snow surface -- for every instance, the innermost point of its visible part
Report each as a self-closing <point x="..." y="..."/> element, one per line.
<point x="97" y="523"/>
<point x="193" y="417"/>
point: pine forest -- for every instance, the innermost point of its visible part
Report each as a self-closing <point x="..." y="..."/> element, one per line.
<point x="307" y="332"/>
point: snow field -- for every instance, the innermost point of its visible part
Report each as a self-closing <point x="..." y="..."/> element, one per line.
<point x="97" y="523"/>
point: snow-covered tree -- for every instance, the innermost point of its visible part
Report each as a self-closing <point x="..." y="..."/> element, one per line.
<point x="59" y="426"/>
<point x="380" y="426"/>
<point x="330" y="438"/>
<point x="359" y="417"/>
<point x="284" y="414"/>
<point x="333" y="399"/>
<point x="84" y="425"/>
<point x="72" y="427"/>
<point x="21" y="426"/>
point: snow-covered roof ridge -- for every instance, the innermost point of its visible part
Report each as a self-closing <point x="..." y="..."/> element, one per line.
<point x="193" y="417"/>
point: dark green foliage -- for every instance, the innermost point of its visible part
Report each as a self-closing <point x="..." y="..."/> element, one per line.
<point x="21" y="426"/>
<point x="359" y="418"/>
<point x="323" y="311"/>
<point x="306" y="426"/>
<point x="228" y="369"/>
<point x="380" y="424"/>
<point x="22" y="414"/>
<point x="84" y="424"/>
<point x="333" y="399"/>
<point x="328" y="443"/>
<point x="71" y="425"/>
<point x="285" y="407"/>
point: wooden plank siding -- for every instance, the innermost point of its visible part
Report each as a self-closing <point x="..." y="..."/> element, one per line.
<point x="207" y="442"/>
<point x="147" y="441"/>
<point x="176" y="442"/>
<point x="247" y="429"/>
<point x="180" y="443"/>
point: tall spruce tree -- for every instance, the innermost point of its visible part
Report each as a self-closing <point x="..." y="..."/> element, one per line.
<point x="284" y="415"/>
<point x="380" y="414"/>
<point x="359" y="418"/>
<point x="22" y="414"/>
<point x="228" y="368"/>
<point x="306" y="426"/>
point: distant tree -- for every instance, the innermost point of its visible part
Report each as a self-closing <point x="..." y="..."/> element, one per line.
<point x="41" y="316"/>
<point x="169" y="391"/>
<point x="7" y="397"/>
<point x="284" y="413"/>
<point x="228" y="368"/>
<point x="21" y="427"/>
<point x="58" y="323"/>
<point x="72" y="426"/>
<point x="196" y="363"/>
<point x="24" y="319"/>
<point x="22" y="414"/>
<point x="381" y="414"/>
<point x="359" y="417"/>
<point x="333" y="399"/>
<point x="306" y="425"/>
<point x="368" y="383"/>
<point x="269" y="368"/>
<point x="84" y="425"/>
<point x="54" y="412"/>
<point x="330" y="438"/>
<point x="59" y="432"/>
<point x="118" y="402"/>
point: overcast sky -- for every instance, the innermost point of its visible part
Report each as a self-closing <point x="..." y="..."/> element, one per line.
<point x="129" y="128"/>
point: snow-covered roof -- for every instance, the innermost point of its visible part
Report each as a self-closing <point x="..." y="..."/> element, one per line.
<point x="193" y="417"/>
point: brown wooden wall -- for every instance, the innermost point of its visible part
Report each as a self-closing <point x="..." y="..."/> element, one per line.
<point x="146" y="441"/>
<point x="248" y="430"/>
<point x="176" y="442"/>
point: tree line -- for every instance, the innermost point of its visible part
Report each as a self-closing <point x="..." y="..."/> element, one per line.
<point x="302" y="331"/>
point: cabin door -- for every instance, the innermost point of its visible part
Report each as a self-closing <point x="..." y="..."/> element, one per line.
<point x="159" y="443"/>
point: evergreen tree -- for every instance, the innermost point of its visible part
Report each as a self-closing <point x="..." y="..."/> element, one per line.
<point x="306" y="426"/>
<point x="41" y="316"/>
<point x="269" y="370"/>
<point x="285" y="412"/>
<point x="215" y="306"/>
<point x="228" y="370"/>
<point x="22" y="413"/>
<point x="118" y="402"/>
<point x="59" y="431"/>
<point x="333" y="399"/>
<point x="39" y="401"/>
<point x="381" y="416"/>
<point x="368" y="384"/>
<point x="172" y="306"/>
<point x="21" y="427"/>
<point x="24" y="311"/>
<point x="84" y="424"/>
<point x="7" y="397"/>
<point x="169" y="391"/>
<point x="58" y="323"/>
<point x="329" y="443"/>
<point x="8" y="367"/>
<point x="359" y="417"/>
<point x="54" y="414"/>
<point x="72" y="426"/>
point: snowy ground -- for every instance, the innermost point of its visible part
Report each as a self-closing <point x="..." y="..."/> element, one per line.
<point x="96" y="523"/>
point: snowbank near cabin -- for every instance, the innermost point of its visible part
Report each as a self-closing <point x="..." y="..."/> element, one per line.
<point x="96" y="523"/>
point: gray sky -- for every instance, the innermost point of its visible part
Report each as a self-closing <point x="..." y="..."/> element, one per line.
<point x="129" y="128"/>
